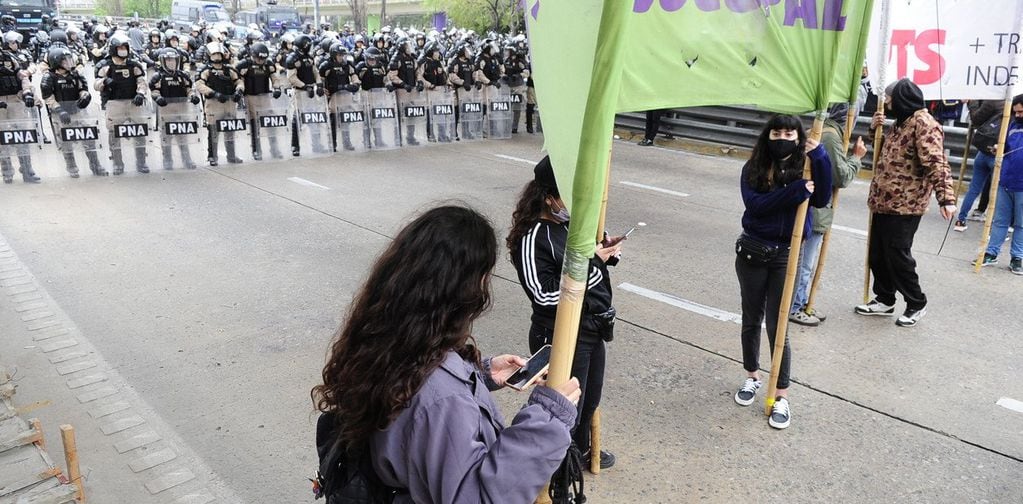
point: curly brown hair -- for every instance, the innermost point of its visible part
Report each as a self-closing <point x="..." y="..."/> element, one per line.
<point x="418" y="303"/>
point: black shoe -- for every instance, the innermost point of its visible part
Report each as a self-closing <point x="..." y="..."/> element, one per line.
<point x="168" y="166"/>
<point x="646" y="142"/>
<point x="30" y="177"/>
<point x="412" y="141"/>
<point x="257" y="156"/>
<point x="98" y="171"/>
<point x="118" y="170"/>
<point x="349" y="147"/>
<point x="212" y="161"/>
<point x="607" y="460"/>
<point x="73" y="174"/>
<point x="294" y="152"/>
<point x="234" y="160"/>
<point x="142" y="169"/>
<point x="515" y="131"/>
<point x="8" y="180"/>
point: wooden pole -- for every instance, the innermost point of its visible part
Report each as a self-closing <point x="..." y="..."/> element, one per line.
<point x="996" y="175"/>
<point x="882" y="58"/>
<point x="74" y="472"/>
<point x="966" y="158"/>
<point x="38" y="427"/>
<point x="850" y="122"/>
<point x="595" y="423"/>
<point x="790" y="277"/>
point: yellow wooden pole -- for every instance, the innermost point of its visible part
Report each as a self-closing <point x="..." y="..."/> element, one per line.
<point x="878" y="143"/>
<point x="74" y="472"/>
<point x="790" y="278"/>
<point x="962" y="166"/>
<point x="850" y="122"/>
<point x="996" y="175"/>
<point x="595" y="423"/>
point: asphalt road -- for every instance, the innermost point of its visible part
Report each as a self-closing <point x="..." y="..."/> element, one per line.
<point x="204" y="302"/>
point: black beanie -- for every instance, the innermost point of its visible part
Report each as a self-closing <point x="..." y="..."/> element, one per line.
<point x="906" y="99"/>
<point x="543" y="174"/>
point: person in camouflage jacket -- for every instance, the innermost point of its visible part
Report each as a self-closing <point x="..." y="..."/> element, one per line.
<point x="912" y="166"/>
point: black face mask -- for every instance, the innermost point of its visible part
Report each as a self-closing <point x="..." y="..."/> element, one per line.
<point x="1019" y="120"/>
<point x="781" y="149"/>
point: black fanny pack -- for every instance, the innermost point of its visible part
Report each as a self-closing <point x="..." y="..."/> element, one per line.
<point x="606" y="323"/>
<point x="755" y="251"/>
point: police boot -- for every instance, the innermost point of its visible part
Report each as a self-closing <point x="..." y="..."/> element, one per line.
<point x="168" y="162"/>
<point x="8" y="170"/>
<point x="72" y="167"/>
<point x="294" y="139"/>
<point x="231" y="158"/>
<point x="29" y="176"/>
<point x="115" y="156"/>
<point x="211" y="149"/>
<point x="140" y="160"/>
<point x="516" y="115"/>
<point x="410" y="133"/>
<point x="378" y="133"/>
<point x="529" y="118"/>
<point x="257" y="147"/>
<point x="275" y="149"/>
<point x="94" y="165"/>
<point x="346" y="141"/>
<point x="186" y="158"/>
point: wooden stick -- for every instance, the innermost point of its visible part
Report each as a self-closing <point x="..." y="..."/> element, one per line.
<point x="67" y="436"/>
<point x="595" y="443"/>
<point x="966" y="158"/>
<point x="38" y="427"/>
<point x="790" y="278"/>
<point x="995" y="178"/>
<point x="850" y="124"/>
<point x="878" y="139"/>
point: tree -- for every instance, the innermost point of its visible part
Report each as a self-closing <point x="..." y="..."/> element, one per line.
<point x="145" y="8"/>
<point x="358" y="8"/>
<point x="480" y="15"/>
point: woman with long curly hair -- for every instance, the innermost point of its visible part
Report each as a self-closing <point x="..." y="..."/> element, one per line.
<point x="772" y="189"/>
<point x="536" y="243"/>
<point x="405" y="381"/>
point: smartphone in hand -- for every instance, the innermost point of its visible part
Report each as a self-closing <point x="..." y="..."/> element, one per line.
<point x="534" y="369"/>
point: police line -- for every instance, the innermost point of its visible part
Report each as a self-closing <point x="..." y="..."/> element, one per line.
<point x="106" y="139"/>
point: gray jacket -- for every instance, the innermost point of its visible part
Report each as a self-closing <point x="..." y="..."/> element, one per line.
<point x="451" y="446"/>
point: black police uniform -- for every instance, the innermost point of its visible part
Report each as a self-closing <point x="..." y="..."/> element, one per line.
<point x="339" y="78"/>
<point x="121" y="89"/>
<point x="14" y="90"/>
<point x="302" y="75"/>
<point x="260" y="81"/>
<point x="173" y="87"/>
<point x="63" y="95"/>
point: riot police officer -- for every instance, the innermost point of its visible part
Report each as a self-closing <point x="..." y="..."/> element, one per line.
<point x="431" y="72"/>
<point x="66" y="94"/>
<point x="403" y="76"/>
<point x="516" y="73"/>
<point x="338" y="75"/>
<point x="170" y="82"/>
<point x="8" y="23"/>
<point x="150" y="53"/>
<point x="122" y="84"/>
<point x="261" y="81"/>
<point x="223" y="88"/>
<point x="98" y="49"/>
<point x="462" y="76"/>
<point x="303" y="77"/>
<point x="15" y="90"/>
<point x="373" y="75"/>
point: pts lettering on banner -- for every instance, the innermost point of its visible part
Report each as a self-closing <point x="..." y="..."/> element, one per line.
<point x="931" y="63"/>
<point x="181" y="128"/>
<point x="355" y="116"/>
<point x="79" y="134"/>
<point x="230" y="125"/>
<point x="273" y="121"/>
<point x="19" y="137"/>
<point x="412" y="112"/>
<point x="472" y="108"/>
<point x="131" y="130"/>
<point x="383" y="113"/>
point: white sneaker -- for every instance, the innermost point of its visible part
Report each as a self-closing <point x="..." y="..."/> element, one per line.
<point x="875" y="307"/>
<point x="748" y="392"/>
<point x="975" y="216"/>
<point x="804" y="319"/>
<point x="781" y="414"/>
<point x="911" y="317"/>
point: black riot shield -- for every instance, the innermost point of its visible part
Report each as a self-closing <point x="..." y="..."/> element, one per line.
<point x="349" y="121"/>
<point x="77" y="134"/>
<point x="313" y="124"/>
<point x="412" y="108"/>
<point x="499" y="113"/>
<point x="470" y="114"/>
<point x="382" y="109"/>
<point x="180" y="127"/>
<point x="269" y="123"/>
<point x="129" y="135"/>
<point x="442" y="114"/>
<point x="19" y="136"/>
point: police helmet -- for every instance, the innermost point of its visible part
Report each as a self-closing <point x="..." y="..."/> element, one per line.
<point x="55" y="58"/>
<point x="359" y="39"/>
<point x="154" y="33"/>
<point x="42" y="38"/>
<point x="378" y="39"/>
<point x="13" y="37"/>
<point x="373" y="55"/>
<point x="58" y="36"/>
<point x="215" y="48"/>
<point x="303" y="42"/>
<point x="259" y="51"/>
<point x="46" y="18"/>
<point x="338" y="49"/>
<point x="171" y="35"/>
<point x="253" y="35"/>
<point x="326" y="44"/>
<point x="168" y="56"/>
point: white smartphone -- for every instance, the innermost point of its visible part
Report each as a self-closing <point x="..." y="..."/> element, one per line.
<point x="535" y="368"/>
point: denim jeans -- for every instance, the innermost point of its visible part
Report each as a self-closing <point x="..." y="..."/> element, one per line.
<point x="983" y="165"/>
<point x="808" y="256"/>
<point x="1008" y="212"/>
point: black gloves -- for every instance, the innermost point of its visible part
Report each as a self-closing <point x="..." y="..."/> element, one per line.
<point x="194" y="99"/>
<point x="419" y="87"/>
<point x="107" y="82"/>
<point x="390" y="87"/>
<point x="468" y="87"/>
<point x="354" y="88"/>
<point x="319" y="90"/>
<point x="222" y="98"/>
<point x="138" y="100"/>
<point x="30" y="101"/>
<point x="237" y="97"/>
<point x="161" y="101"/>
<point x="84" y="101"/>
<point x="3" y="104"/>
<point x="408" y="87"/>
<point x="64" y="117"/>
<point x="277" y="93"/>
<point x="496" y="84"/>
<point x="479" y="85"/>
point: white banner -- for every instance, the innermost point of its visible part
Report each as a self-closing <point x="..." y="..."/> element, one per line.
<point x="952" y="49"/>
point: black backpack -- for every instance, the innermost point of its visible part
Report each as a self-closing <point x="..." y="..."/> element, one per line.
<point x="344" y="478"/>
<point x="985" y="137"/>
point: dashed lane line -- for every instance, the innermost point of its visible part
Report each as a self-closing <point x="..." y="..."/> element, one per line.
<point x="1011" y="404"/>
<point x="655" y="189"/>
<point x="308" y="183"/>
<point x="513" y="158"/>
<point x="844" y="229"/>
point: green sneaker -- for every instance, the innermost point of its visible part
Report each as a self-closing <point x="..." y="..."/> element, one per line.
<point x="989" y="260"/>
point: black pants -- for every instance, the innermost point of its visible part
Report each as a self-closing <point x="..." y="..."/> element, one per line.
<point x="891" y="259"/>
<point x="588" y="366"/>
<point x="653" y="123"/>
<point x="761" y="288"/>
<point x="985" y="197"/>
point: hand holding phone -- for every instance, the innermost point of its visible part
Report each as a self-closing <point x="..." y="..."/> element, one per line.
<point x="533" y="370"/>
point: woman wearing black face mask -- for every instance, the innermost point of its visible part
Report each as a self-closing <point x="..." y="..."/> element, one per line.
<point x="536" y="243"/>
<point x="772" y="189"/>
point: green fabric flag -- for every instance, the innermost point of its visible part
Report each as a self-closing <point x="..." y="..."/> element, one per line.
<point x="592" y="58"/>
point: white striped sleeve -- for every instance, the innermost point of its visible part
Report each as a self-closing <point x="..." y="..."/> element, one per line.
<point x="527" y="252"/>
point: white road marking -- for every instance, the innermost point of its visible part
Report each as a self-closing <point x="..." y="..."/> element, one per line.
<point x="1011" y="404"/>
<point x="513" y="158"/>
<point x="655" y="189"/>
<point x="860" y="182"/>
<point x="308" y="183"/>
<point x="697" y="308"/>
<point x="858" y="232"/>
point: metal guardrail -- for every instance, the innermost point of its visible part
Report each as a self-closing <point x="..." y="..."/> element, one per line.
<point x="740" y="126"/>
